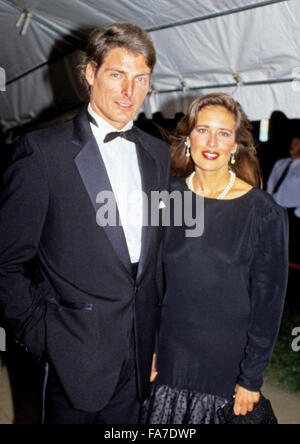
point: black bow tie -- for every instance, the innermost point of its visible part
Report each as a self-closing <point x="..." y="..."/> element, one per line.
<point x="130" y="135"/>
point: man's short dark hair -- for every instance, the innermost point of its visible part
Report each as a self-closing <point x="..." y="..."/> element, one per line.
<point x="119" y="35"/>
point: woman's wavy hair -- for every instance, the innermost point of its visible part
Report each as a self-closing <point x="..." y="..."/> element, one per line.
<point x="247" y="165"/>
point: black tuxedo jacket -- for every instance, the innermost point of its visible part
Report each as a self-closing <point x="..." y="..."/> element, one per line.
<point x="77" y="311"/>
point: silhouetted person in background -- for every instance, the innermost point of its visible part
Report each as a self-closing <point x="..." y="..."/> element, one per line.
<point x="276" y="147"/>
<point x="284" y="185"/>
<point x="284" y="181"/>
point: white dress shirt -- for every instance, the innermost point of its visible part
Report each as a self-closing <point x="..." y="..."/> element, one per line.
<point x="121" y="162"/>
<point x="288" y="194"/>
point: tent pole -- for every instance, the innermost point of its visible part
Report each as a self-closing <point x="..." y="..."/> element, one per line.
<point x="226" y="85"/>
<point x="213" y="16"/>
<point x="78" y="44"/>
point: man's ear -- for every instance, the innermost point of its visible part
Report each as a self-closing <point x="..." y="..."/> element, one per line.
<point x="90" y="73"/>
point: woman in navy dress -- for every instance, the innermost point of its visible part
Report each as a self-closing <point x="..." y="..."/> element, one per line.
<point x="225" y="289"/>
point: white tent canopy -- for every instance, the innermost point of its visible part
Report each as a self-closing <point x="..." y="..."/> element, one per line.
<point x="248" y="48"/>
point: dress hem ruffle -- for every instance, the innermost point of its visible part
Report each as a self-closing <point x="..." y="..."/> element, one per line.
<point x="168" y="405"/>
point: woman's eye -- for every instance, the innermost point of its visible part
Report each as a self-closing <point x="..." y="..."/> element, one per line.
<point x="141" y="79"/>
<point x="224" y="134"/>
<point x="202" y="130"/>
<point x="115" y="75"/>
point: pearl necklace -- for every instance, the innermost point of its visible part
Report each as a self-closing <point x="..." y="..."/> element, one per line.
<point x="224" y="193"/>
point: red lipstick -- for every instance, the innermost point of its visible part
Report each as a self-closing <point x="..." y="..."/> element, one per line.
<point x="210" y="155"/>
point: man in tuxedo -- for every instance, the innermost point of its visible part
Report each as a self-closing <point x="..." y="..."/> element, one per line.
<point x="91" y="310"/>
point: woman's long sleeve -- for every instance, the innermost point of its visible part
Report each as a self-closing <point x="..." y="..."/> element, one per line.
<point x="268" y="283"/>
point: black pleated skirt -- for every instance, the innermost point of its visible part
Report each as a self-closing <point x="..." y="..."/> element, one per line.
<point x="167" y="405"/>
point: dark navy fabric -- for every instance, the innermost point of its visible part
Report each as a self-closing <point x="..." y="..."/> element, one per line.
<point x="224" y="297"/>
<point x="78" y="313"/>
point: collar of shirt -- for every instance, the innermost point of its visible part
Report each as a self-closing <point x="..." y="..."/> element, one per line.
<point x="122" y="166"/>
<point x="104" y="127"/>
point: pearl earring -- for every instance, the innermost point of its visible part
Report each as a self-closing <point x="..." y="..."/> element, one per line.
<point x="233" y="159"/>
<point x="187" y="150"/>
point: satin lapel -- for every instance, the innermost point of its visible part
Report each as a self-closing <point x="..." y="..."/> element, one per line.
<point x="93" y="173"/>
<point x="149" y="184"/>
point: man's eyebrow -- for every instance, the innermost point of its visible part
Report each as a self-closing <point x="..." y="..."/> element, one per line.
<point x="115" y="69"/>
<point x="124" y="72"/>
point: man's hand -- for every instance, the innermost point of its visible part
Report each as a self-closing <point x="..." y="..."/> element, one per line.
<point x="244" y="401"/>
<point x="153" y="370"/>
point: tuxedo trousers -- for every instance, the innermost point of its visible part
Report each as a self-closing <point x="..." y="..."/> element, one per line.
<point x="123" y="408"/>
